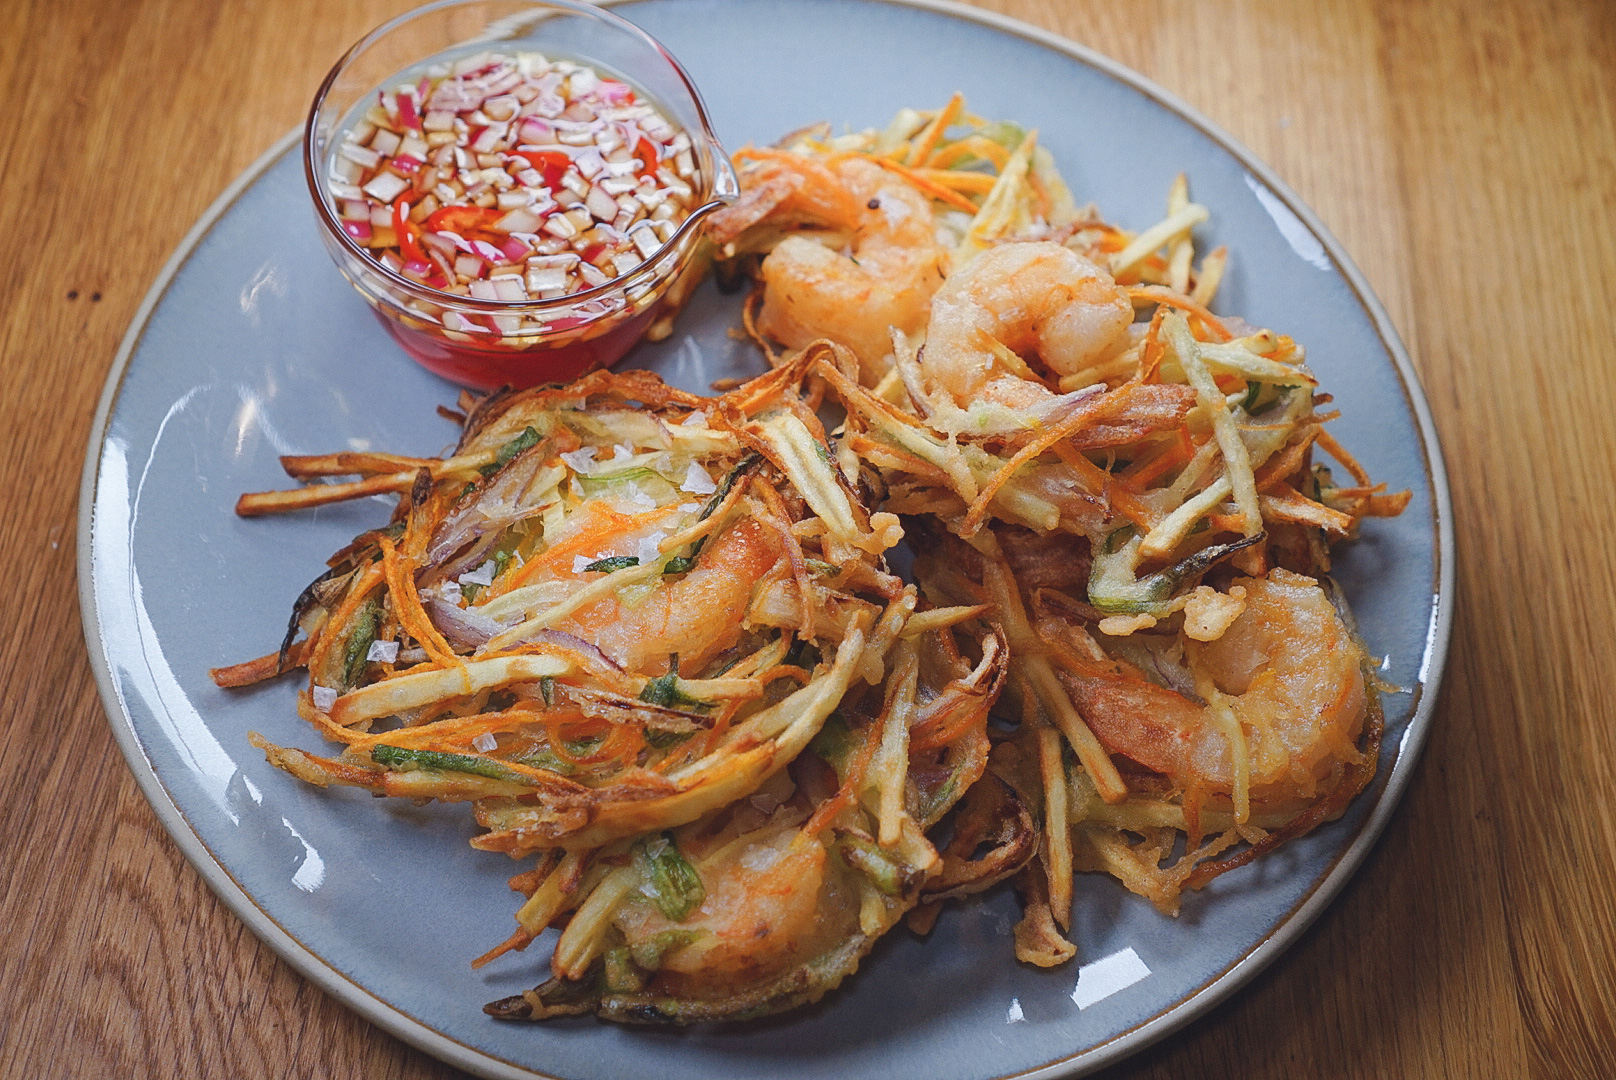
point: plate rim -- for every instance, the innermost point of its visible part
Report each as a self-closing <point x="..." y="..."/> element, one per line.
<point x="1210" y="994"/>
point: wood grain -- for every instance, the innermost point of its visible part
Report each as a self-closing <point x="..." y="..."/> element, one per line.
<point x="1466" y="156"/>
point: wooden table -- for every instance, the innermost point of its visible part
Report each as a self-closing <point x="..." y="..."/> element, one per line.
<point x="1466" y="156"/>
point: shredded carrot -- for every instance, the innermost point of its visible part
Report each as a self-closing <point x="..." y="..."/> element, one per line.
<point x="1141" y="473"/>
<point x="1283" y="350"/>
<point x="1150" y="357"/>
<point x="1160" y="294"/>
<point x="1285" y="503"/>
<point x="517" y="941"/>
<point x="1388" y="505"/>
<point x="1109" y="487"/>
<point x="357" y="594"/>
<point x="922" y="146"/>
<point x="927" y="187"/>
<point x="622" y="741"/>
<point x="1285" y="463"/>
<point x="1040" y="194"/>
<point x="971" y="146"/>
<point x="587" y="540"/>
<point x="1359" y="475"/>
<point x="979" y="183"/>
<point x="1112" y="240"/>
<point x="947" y="725"/>
<point x="407" y="608"/>
<point x="885" y="454"/>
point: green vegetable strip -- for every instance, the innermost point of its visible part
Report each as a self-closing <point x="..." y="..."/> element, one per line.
<point x="393" y="756"/>
<point x="1113" y="590"/>
<point x="669" y="880"/>
<point x="680" y="564"/>
<point x="868" y="859"/>
<point x="361" y="632"/>
<point x="650" y="954"/>
<point x="615" y="562"/>
<point x="507" y="453"/>
<point x="663" y="691"/>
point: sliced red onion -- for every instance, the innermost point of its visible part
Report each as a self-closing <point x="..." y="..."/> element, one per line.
<point x="1059" y="408"/>
<point x="483" y="542"/>
<point x="513" y="249"/>
<point x="613" y="92"/>
<point x="509" y="498"/>
<point x="463" y="628"/>
<point x="359" y="230"/>
<point x="1160" y="658"/>
<point x="534" y="130"/>
<point x="577" y="644"/>
<point x="456" y="239"/>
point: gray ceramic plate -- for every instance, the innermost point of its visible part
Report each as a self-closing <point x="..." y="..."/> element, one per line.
<point x="250" y="345"/>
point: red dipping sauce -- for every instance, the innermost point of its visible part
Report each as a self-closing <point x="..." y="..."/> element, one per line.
<point x="491" y="368"/>
<point x="512" y="215"/>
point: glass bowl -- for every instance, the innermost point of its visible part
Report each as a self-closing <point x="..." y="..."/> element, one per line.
<point x="491" y="343"/>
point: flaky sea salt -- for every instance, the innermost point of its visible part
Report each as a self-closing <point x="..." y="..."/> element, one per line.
<point x="648" y="550"/>
<point x="697" y="481"/>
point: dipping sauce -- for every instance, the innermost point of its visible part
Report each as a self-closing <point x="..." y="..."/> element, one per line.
<point x="517" y="179"/>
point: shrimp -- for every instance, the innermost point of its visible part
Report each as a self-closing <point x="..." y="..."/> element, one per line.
<point x="1030" y="297"/>
<point x="771" y="902"/>
<point x="782" y="190"/>
<point x="697" y="617"/>
<point x="872" y="266"/>
<point x="1289" y="673"/>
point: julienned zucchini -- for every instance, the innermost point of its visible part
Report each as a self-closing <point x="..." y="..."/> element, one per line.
<point x="400" y="757"/>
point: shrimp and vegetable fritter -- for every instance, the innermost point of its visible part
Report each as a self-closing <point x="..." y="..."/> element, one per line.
<point x="1124" y="480"/>
<point x="653" y="639"/>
